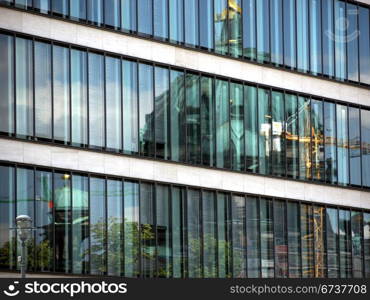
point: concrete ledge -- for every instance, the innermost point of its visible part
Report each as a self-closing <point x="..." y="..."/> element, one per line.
<point x="86" y="36"/>
<point x="119" y="165"/>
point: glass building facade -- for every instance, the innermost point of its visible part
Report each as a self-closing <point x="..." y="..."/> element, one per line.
<point x="94" y="224"/>
<point x="328" y="38"/>
<point x="72" y="96"/>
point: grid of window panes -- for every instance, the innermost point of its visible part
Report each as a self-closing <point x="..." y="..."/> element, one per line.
<point x="327" y="38"/>
<point x="53" y="93"/>
<point x="91" y="224"/>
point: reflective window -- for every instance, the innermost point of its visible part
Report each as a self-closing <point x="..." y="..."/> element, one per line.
<point x="291" y="136"/>
<point x="145" y="16"/>
<point x="237" y="126"/>
<point x="177" y="21"/>
<point x="328" y="37"/>
<point x="352" y="42"/>
<point x="79" y="97"/>
<point x="222" y="124"/>
<point x="6" y="84"/>
<point x="128" y="15"/>
<point x="206" y="24"/>
<point x="209" y="235"/>
<point x="251" y="128"/>
<point x="354" y="146"/>
<point x="235" y="27"/>
<point x="60" y="7"/>
<point x="264" y="127"/>
<point x="365" y="139"/>
<point x="340" y="39"/>
<point x="302" y="35"/>
<point x="238" y="236"/>
<point x="267" y="238"/>
<point x="207" y="120"/>
<point x="191" y="22"/>
<point x="315" y="36"/>
<point x="193" y="133"/>
<point x="253" y="238"/>
<point x="160" y="15"/>
<point x="342" y="146"/>
<point x="193" y="236"/>
<point x="114" y="227"/>
<point x="294" y="240"/>
<point x="345" y="251"/>
<point x="42" y="6"/>
<point x="146" y="110"/>
<point x="61" y="94"/>
<point x="289" y="33"/>
<point x="113" y="102"/>
<point x="249" y="29"/>
<point x="223" y="243"/>
<point x="319" y="241"/>
<point x="357" y="240"/>
<point x="111" y="13"/>
<point x="330" y="132"/>
<point x="178" y="196"/>
<point x="281" y="245"/>
<point x="130" y="107"/>
<point x="78" y="9"/>
<point x="278" y="139"/>
<point x="162" y="103"/>
<point x="96" y="100"/>
<point x="307" y="241"/>
<point x="220" y="25"/>
<point x="95" y="12"/>
<point x="24" y="87"/>
<point x="80" y="224"/>
<point x="366" y="230"/>
<point x="276" y="32"/>
<point x="364" y="31"/>
<point x="263" y="31"/>
<point x="304" y="126"/>
<point x="23" y="3"/>
<point x="317" y="140"/>
<point x="332" y="239"/>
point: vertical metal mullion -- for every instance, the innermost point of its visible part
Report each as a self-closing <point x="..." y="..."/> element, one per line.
<point x="153" y="127"/>
<point x="363" y="242"/>
<point x="269" y="27"/>
<point x="314" y="241"/>
<point x="270" y="169"/>
<point x="273" y="202"/>
<point x="326" y="255"/>
<point x="322" y="38"/>
<point x="70" y="219"/>
<point x="170" y="223"/>
<point x="138" y="108"/>
<point x="338" y="245"/>
<point x="350" y="241"/>
<point x="33" y="135"/>
<point x="230" y="163"/>
<point x="70" y="93"/>
<point x="15" y="215"/>
<point x="310" y="148"/>
<point x="34" y="233"/>
<point x="300" y="238"/>
<point x="285" y="141"/>
<point x="123" y="235"/>
<point x="89" y="222"/>
<point x="139" y="233"/>
<point x="309" y="35"/>
<point x="168" y="148"/>
<point x="296" y="34"/>
<point x="200" y="159"/>
<point x="245" y="235"/>
<point x="258" y="135"/>
<point x="122" y="104"/>
<point x="255" y="30"/>
<point x="88" y="96"/>
<point x="53" y="218"/>
<point x="14" y="63"/>
<point x="334" y="43"/>
<point x="283" y="36"/>
<point x="52" y="91"/>
<point x="358" y="45"/>
<point x="154" y="211"/>
<point x="106" y="225"/>
<point x="217" y="270"/>
<point x="201" y="232"/>
<point x="259" y="234"/>
<point x="185" y="118"/>
<point x="105" y="100"/>
<point x="228" y="28"/>
<point x="230" y="230"/>
<point x="348" y="147"/>
<point x="198" y="25"/>
<point x="346" y="41"/>
<point x="324" y="142"/>
<point x="214" y="121"/>
<point x="153" y="31"/>
<point x="287" y="238"/>
<point x="360" y="127"/>
<point x="214" y="28"/>
<point x="186" y="239"/>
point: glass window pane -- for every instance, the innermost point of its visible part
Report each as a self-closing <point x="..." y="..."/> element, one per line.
<point x="249" y="29"/>
<point x="80" y="224"/>
<point x="42" y="6"/>
<point x="276" y="32"/>
<point x="356" y="240"/>
<point x="267" y="238"/>
<point x="145" y="16"/>
<point x="340" y="39"/>
<point x="193" y="119"/>
<point x="237" y="126"/>
<point x="302" y="35"/>
<point x="131" y="229"/>
<point x="113" y="102"/>
<point x="307" y="241"/>
<point x="319" y="241"/>
<point x="209" y="235"/>
<point x="24" y="87"/>
<point x="281" y="248"/>
<point x="193" y="227"/>
<point x="222" y="124"/>
<point x="328" y="37"/>
<point x="61" y="94"/>
<point x="60" y="7"/>
<point x="263" y="31"/>
<point x="78" y="9"/>
<point x="304" y="138"/>
<point x="223" y="239"/>
<point x="147" y="233"/>
<point x="366" y="230"/>
<point x="62" y="209"/>
<point x="238" y="236"/>
<point x="7" y="83"/>
<point x="315" y="36"/>
<point x="354" y="145"/>
<point x="177" y="115"/>
<point x="177" y="21"/>
<point x="364" y="19"/>
<point x="95" y="12"/>
<point x="220" y="25"/>
<point x="342" y="146"/>
<point x="207" y="120"/>
<point x="114" y="227"/>
<point x="79" y="96"/>
<point x="111" y="13"/>
<point x="278" y="141"/>
<point x="251" y="128"/>
<point x="294" y="240"/>
<point x="130" y="107"/>
<point x="291" y="135"/>
<point x="191" y="22"/>
<point x="177" y="197"/>
<point x="264" y="126"/>
<point x="289" y="33"/>
<point x="146" y="110"/>
<point x="365" y="139"/>
<point x="160" y="18"/>
<point x="206" y="24"/>
<point x="345" y="249"/>
<point x="97" y="226"/>
<point x="128" y="15"/>
<point x="162" y="103"/>
<point x="163" y="231"/>
<point x="7" y="217"/>
<point x="96" y="100"/>
<point x="235" y="27"/>
<point x="352" y="39"/>
<point x="253" y="236"/>
<point x="332" y="236"/>
<point x="24" y="3"/>
<point x="330" y="142"/>
<point x="317" y="121"/>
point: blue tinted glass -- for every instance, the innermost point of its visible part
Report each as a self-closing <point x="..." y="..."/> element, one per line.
<point x="160" y="18"/>
<point x="365" y="139"/>
<point x="251" y="128"/>
<point x="354" y="145"/>
<point x="302" y="35"/>
<point x="289" y="34"/>
<point x="342" y="144"/>
<point x="330" y="132"/>
<point x="235" y="28"/>
<point x="364" y="19"/>
<point x="315" y="36"/>
<point x="328" y="37"/>
<point x="42" y="6"/>
<point x="78" y="9"/>
<point x="237" y="126"/>
<point x="206" y="24"/>
<point x="145" y="16"/>
<point x="263" y="31"/>
<point x="95" y="12"/>
<point x="60" y="7"/>
<point x="111" y="13"/>
<point x="276" y="32"/>
<point x="177" y="21"/>
<point x="191" y="23"/>
<point x="340" y="40"/>
<point x="220" y="24"/>
<point x="128" y="15"/>
<point x="249" y="29"/>
<point x="352" y="42"/>
<point x="264" y="126"/>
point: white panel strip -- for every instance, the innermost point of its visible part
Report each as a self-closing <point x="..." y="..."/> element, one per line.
<point x="119" y="165"/>
<point x="169" y="54"/>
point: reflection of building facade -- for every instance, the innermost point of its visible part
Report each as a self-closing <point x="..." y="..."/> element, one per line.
<point x="136" y="157"/>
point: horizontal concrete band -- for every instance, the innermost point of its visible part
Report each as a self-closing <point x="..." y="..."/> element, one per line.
<point x="86" y="36"/>
<point x="119" y="165"/>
